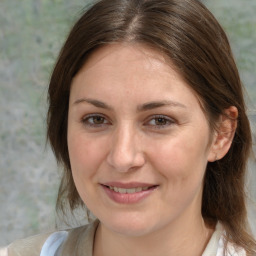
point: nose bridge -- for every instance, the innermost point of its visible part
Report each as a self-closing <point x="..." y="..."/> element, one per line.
<point x="125" y="152"/>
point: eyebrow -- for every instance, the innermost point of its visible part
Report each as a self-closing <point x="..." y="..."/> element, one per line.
<point x="158" y="104"/>
<point x="140" y="108"/>
<point x="96" y="103"/>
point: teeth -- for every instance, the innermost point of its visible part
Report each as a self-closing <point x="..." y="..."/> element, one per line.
<point x="122" y="190"/>
<point x="138" y="189"/>
<point x="128" y="190"/>
<point x="131" y="190"/>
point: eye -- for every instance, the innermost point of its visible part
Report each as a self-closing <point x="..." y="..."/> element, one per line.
<point x="160" y="121"/>
<point x="95" y="120"/>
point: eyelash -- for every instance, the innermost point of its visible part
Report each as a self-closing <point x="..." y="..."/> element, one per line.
<point x="93" y="117"/>
<point x="167" y="121"/>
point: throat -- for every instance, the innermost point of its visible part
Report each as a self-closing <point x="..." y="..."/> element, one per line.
<point x="113" y="244"/>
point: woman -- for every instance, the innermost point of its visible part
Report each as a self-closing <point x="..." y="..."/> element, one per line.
<point x="146" y="113"/>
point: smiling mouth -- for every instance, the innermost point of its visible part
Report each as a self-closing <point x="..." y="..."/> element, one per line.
<point x="130" y="190"/>
<point x="129" y="193"/>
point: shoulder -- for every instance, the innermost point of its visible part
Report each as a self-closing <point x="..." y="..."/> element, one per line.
<point x="232" y="250"/>
<point x="216" y="245"/>
<point x="28" y="246"/>
<point x="78" y="239"/>
<point x="3" y="251"/>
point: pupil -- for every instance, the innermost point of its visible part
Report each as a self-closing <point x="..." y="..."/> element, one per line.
<point x="160" y="121"/>
<point x="98" y="120"/>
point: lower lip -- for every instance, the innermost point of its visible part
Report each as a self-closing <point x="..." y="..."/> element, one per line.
<point x="128" y="198"/>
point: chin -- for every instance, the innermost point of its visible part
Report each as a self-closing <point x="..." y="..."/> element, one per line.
<point x="129" y="225"/>
<point x="130" y="230"/>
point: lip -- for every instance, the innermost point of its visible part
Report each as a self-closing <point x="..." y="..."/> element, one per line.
<point x="126" y="198"/>
<point x="128" y="185"/>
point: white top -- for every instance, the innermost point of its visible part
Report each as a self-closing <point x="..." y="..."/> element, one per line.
<point x="53" y="242"/>
<point x="215" y="246"/>
<point x="3" y="251"/>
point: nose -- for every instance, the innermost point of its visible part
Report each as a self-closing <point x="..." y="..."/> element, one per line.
<point x="125" y="150"/>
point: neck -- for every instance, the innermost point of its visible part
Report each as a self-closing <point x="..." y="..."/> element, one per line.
<point x="190" y="238"/>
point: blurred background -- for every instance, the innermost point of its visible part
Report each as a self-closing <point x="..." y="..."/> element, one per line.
<point x="31" y="34"/>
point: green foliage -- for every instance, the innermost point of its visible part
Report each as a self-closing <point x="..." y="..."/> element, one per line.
<point x="239" y="21"/>
<point x="32" y="32"/>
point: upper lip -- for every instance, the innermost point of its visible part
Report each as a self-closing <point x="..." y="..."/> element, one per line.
<point x="128" y="185"/>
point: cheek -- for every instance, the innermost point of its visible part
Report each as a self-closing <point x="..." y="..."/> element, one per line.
<point x="182" y="166"/>
<point x="84" y="153"/>
<point x="85" y="160"/>
<point x="181" y="157"/>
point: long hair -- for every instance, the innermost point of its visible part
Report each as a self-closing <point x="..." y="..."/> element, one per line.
<point x="187" y="33"/>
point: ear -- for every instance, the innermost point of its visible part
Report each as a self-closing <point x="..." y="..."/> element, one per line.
<point x="223" y="136"/>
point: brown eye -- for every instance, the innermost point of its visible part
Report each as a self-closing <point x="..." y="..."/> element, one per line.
<point x="98" y="119"/>
<point x="95" y="121"/>
<point x="160" y="121"/>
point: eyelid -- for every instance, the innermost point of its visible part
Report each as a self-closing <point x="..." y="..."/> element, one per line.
<point x="85" y="119"/>
<point x="170" y="121"/>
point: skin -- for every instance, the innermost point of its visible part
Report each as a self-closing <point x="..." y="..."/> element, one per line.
<point x="115" y="134"/>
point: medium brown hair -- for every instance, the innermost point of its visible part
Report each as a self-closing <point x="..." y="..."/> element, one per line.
<point x="187" y="33"/>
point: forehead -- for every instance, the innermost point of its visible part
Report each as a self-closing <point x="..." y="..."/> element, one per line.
<point x="133" y="67"/>
<point x="132" y="53"/>
<point x="128" y="60"/>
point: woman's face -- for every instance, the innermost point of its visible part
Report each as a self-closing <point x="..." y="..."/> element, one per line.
<point x="138" y="141"/>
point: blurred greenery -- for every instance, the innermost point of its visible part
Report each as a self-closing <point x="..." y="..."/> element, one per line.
<point x="239" y="21"/>
<point x="31" y="34"/>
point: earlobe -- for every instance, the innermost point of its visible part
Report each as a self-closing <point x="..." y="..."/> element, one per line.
<point x="224" y="134"/>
